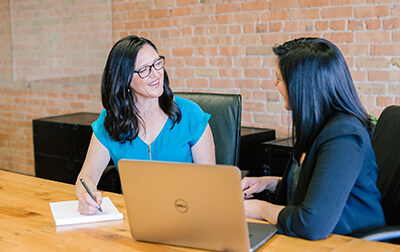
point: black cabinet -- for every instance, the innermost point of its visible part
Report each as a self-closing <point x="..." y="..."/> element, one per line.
<point x="277" y="154"/>
<point x="251" y="151"/>
<point x="60" y="146"/>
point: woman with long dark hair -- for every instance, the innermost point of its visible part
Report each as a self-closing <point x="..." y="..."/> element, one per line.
<point x="141" y="119"/>
<point x="330" y="185"/>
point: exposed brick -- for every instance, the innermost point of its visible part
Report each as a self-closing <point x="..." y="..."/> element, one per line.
<point x="274" y="15"/>
<point x="372" y="63"/>
<point x="283" y="4"/>
<point x="206" y="72"/>
<point x="221" y="83"/>
<point x="355" y="25"/>
<point x="373" y="24"/>
<point x="372" y="88"/>
<point x="196" y="61"/>
<point x="276" y="26"/>
<point x="181" y="11"/>
<point x="391" y="23"/>
<point x="231" y="72"/>
<point x="256" y="73"/>
<point x="338" y="25"/>
<point x="384" y="101"/>
<point x="314" y="3"/>
<point x="228" y="7"/>
<point x="384" y="49"/>
<point x="371" y="11"/>
<point x="197" y="83"/>
<point x="253" y="106"/>
<point x="373" y="37"/>
<point x="394" y="89"/>
<point x="255" y="5"/>
<point x="321" y="25"/>
<point x="337" y="12"/>
<point x="221" y="61"/>
<point x="258" y="50"/>
<point x="308" y="14"/>
<point x="204" y="9"/>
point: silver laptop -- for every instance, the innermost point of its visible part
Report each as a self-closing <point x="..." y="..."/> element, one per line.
<point x="189" y="205"/>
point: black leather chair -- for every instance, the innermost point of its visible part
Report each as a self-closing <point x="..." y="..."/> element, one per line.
<point x="226" y="112"/>
<point x="386" y="144"/>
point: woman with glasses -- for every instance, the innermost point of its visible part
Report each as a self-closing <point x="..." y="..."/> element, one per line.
<point x="142" y="119"/>
<point x="330" y="185"/>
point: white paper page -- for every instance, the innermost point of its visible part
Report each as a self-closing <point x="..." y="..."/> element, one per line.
<point x="66" y="213"/>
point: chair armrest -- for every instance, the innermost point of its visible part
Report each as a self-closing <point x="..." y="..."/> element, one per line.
<point x="378" y="234"/>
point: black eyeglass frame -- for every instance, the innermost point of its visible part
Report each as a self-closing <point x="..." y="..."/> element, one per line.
<point x="151" y="66"/>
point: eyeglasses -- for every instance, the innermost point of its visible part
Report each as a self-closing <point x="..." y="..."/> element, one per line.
<point x="145" y="71"/>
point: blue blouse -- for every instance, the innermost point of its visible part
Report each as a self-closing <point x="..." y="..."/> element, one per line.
<point x="172" y="144"/>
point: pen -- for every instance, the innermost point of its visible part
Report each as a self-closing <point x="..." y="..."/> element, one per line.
<point x="90" y="193"/>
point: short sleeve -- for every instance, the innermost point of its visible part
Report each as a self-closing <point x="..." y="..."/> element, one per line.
<point x="194" y="119"/>
<point x="100" y="131"/>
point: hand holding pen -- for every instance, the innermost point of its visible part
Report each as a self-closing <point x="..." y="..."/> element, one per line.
<point x="90" y="192"/>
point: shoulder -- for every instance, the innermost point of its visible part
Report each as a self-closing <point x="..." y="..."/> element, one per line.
<point x="101" y="118"/>
<point x="187" y="106"/>
<point x="185" y="103"/>
<point x="344" y="125"/>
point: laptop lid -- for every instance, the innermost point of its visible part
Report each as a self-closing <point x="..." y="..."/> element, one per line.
<point x="184" y="204"/>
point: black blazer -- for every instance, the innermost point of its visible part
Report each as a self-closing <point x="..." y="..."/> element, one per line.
<point x="336" y="190"/>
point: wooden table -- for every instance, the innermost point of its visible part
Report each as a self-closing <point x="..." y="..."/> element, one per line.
<point x="26" y="224"/>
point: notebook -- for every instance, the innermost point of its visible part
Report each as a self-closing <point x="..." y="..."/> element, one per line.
<point x="189" y="205"/>
<point x="66" y="213"/>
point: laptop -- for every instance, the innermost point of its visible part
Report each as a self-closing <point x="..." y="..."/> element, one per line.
<point x="189" y="205"/>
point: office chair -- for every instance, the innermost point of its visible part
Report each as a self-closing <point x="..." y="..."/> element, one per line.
<point x="386" y="145"/>
<point x="226" y="112"/>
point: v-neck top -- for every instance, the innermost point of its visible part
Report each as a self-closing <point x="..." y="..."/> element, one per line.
<point x="171" y="144"/>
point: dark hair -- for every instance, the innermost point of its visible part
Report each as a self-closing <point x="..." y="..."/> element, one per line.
<point x="122" y="120"/>
<point x="319" y="84"/>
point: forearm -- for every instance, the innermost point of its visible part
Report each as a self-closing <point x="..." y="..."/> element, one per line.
<point x="272" y="184"/>
<point x="270" y="212"/>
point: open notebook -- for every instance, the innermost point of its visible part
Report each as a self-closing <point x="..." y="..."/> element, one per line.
<point x="190" y="205"/>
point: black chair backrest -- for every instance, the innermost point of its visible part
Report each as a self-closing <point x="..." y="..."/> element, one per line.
<point x="386" y="144"/>
<point x="226" y="111"/>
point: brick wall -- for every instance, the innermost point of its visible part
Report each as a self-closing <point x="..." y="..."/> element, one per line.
<point x="51" y="61"/>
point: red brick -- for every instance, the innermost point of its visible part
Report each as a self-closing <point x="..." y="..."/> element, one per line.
<point x="373" y="37"/>
<point x="221" y="61"/>
<point x="321" y="25"/>
<point x="338" y="25"/>
<point x="228" y="7"/>
<point x="336" y="12"/>
<point x="314" y="3"/>
<point x="255" y="5"/>
<point x="391" y="23"/>
<point x="373" y="24"/>
<point x="222" y="83"/>
<point x="371" y="11"/>
<point x="355" y="25"/>
<point x="283" y="4"/>
<point x="384" y="101"/>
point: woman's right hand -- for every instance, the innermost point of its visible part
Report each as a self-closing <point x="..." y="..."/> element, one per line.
<point x="87" y="205"/>
<point x="251" y="185"/>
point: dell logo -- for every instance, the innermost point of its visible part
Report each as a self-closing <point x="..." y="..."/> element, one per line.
<point x="181" y="206"/>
